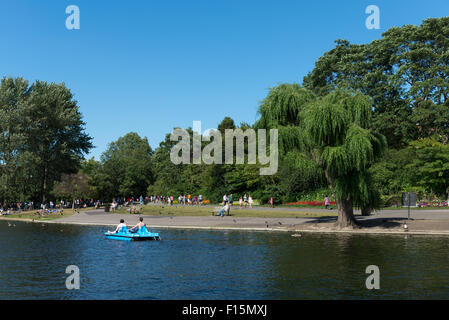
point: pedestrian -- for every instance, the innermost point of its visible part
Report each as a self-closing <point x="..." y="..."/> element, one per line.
<point x="327" y="202"/>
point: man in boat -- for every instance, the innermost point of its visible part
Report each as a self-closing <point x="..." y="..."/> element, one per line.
<point x="119" y="227"/>
<point x="138" y="226"/>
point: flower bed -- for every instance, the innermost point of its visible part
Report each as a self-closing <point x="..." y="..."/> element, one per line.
<point x="310" y="203"/>
<point x="432" y="204"/>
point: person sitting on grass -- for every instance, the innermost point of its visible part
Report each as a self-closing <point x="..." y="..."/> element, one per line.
<point x="119" y="227"/>
<point x="137" y="227"/>
<point x="224" y="209"/>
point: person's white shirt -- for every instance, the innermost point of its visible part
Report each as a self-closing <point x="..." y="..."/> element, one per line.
<point x="225" y="198"/>
<point x="120" y="226"/>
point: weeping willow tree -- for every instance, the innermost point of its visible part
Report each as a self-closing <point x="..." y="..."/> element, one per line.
<point x="281" y="110"/>
<point x="331" y="136"/>
<point x="336" y="135"/>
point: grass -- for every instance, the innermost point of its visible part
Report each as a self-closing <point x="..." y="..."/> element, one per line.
<point x="31" y="215"/>
<point x="194" y="211"/>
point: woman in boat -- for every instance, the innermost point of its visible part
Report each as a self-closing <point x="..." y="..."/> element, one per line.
<point x="138" y="225"/>
<point x="119" y="227"/>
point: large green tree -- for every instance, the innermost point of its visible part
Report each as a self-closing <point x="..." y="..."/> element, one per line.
<point x="406" y="73"/>
<point x="126" y="166"/>
<point x="42" y="137"/>
<point x="55" y="135"/>
<point x="331" y="133"/>
<point x="337" y="137"/>
<point x="14" y="94"/>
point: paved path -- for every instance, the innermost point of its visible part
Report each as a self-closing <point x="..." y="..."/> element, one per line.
<point x="99" y="217"/>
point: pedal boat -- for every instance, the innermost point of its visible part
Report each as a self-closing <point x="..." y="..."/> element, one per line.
<point x="141" y="235"/>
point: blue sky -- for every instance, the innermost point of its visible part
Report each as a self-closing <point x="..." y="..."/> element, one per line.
<point x="149" y="66"/>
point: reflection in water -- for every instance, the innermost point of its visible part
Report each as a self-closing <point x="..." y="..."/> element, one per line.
<point x="189" y="264"/>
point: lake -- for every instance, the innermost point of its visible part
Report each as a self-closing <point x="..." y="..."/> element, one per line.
<point x="192" y="264"/>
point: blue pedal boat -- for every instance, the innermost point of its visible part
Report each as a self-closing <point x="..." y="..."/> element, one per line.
<point x="141" y="235"/>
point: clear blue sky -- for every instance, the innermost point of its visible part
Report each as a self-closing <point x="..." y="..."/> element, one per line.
<point x="148" y="66"/>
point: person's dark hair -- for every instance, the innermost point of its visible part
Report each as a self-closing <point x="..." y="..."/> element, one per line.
<point x="141" y="219"/>
<point x="121" y="220"/>
<point x="326" y="195"/>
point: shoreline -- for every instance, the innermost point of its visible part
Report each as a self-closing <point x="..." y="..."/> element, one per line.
<point x="193" y="224"/>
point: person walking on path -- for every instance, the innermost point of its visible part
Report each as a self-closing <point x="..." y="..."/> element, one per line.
<point x="250" y="200"/>
<point x="271" y="202"/>
<point x="327" y="202"/>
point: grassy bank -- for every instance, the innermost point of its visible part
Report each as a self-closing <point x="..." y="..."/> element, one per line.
<point x="32" y="215"/>
<point x="195" y="211"/>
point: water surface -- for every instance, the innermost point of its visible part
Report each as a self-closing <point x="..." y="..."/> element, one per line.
<point x="191" y="264"/>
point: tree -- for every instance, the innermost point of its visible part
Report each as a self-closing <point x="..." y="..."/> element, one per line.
<point x="73" y="186"/>
<point x="14" y="94"/>
<point x="126" y="166"/>
<point x="337" y="138"/>
<point x="332" y="134"/>
<point x="405" y="73"/>
<point x="429" y="165"/>
<point x="55" y="136"/>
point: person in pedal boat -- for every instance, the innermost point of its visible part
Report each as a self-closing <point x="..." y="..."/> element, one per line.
<point x="119" y="227"/>
<point x="138" y="226"/>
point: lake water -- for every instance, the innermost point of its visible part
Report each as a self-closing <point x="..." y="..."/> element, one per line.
<point x="218" y="265"/>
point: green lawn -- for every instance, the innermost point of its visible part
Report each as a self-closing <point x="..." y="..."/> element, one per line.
<point x="235" y="211"/>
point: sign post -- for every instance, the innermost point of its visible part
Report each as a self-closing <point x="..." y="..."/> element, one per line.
<point x="408" y="199"/>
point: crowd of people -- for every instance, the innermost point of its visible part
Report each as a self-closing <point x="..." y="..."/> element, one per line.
<point x="182" y="200"/>
<point x="51" y="205"/>
<point x="245" y="201"/>
<point x="185" y="200"/>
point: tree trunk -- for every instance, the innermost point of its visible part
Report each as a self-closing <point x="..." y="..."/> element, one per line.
<point x="44" y="184"/>
<point x="345" y="213"/>
<point x="366" y="211"/>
